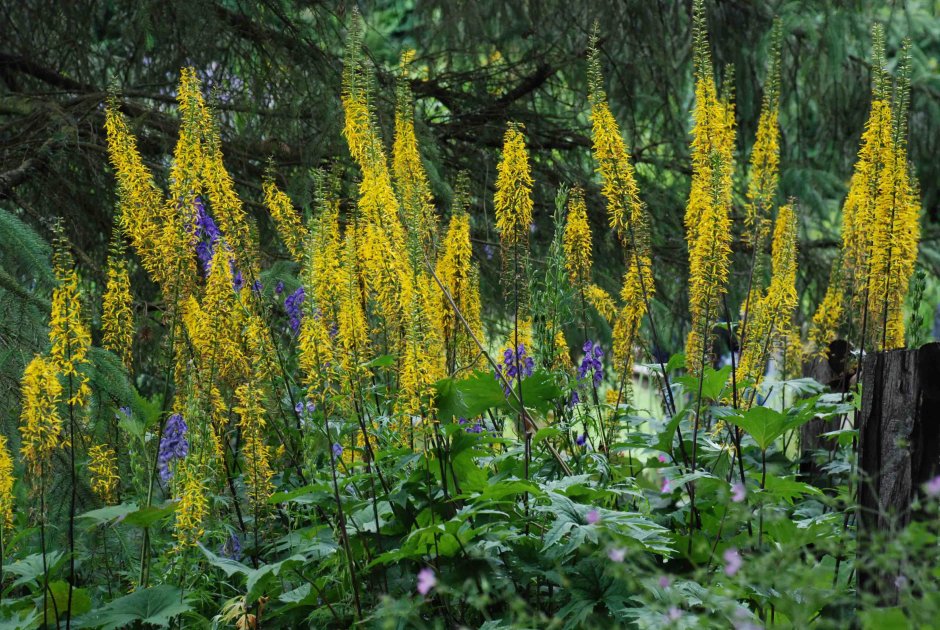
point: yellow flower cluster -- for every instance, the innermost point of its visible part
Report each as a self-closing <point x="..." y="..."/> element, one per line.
<point x="708" y="213"/>
<point x="40" y="423"/>
<point x="102" y="465"/>
<point x="880" y="225"/>
<point x="255" y="452"/>
<point x="6" y="488"/>
<point x="193" y="506"/>
<point x="69" y="336"/>
<point x="411" y="180"/>
<point x="117" y="317"/>
<point x="287" y="221"/>
<point x="577" y="241"/>
<point x="772" y="314"/>
<point x="513" y="201"/>
<point x="456" y="271"/>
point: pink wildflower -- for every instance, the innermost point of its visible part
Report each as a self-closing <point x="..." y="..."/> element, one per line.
<point x="426" y="580"/>
<point x="738" y="492"/>
<point x="733" y="561"/>
<point x="593" y="517"/>
<point x="616" y="554"/>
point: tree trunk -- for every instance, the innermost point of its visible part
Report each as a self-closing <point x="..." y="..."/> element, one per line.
<point x="899" y="450"/>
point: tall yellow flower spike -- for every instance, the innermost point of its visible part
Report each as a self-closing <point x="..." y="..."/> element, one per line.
<point x="7" y="500"/>
<point x="104" y="476"/>
<point x="410" y="177"/>
<point x="117" y="317"/>
<point x="287" y="221"/>
<point x="708" y="214"/>
<point x="457" y="273"/>
<point x="40" y="424"/>
<point x="577" y="241"/>
<point x="513" y="189"/>
<point x="68" y="333"/>
<point x="255" y="452"/>
<point x="772" y="315"/>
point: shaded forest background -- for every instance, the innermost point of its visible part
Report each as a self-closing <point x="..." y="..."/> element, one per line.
<point x="274" y="68"/>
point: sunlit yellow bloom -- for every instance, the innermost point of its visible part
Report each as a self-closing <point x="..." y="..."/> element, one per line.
<point x="287" y="221"/>
<point x="352" y="330"/>
<point x="708" y="214"/>
<point x="773" y="314"/>
<point x="40" y="424"/>
<point x="456" y="272"/>
<point x="411" y="180"/>
<point x="829" y="313"/>
<point x="577" y="240"/>
<point x="117" y="318"/>
<point x="7" y="500"/>
<point x="104" y="474"/>
<point x="68" y="334"/>
<point x="193" y="506"/>
<point x="602" y="301"/>
<point x="256" y="453"/>
<point x="513" y="202"/>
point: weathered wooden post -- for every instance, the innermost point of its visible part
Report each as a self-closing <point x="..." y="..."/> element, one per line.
<point x="899" y="448"/>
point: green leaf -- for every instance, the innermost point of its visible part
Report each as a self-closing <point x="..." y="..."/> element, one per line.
<point x="468" y="397"/>
<point x="714" y="382"/>
<point x="546" y="433"/>
<point x="383" y="361"/>
<point x="765" y="424"/>
<point x="109" y="514"/>
<point x="156" y="606"/>
<point x="59" y="601"/>
<point x="229" y="566"/>
<point x="788" y="489"/>
<point x="147" y="516"/>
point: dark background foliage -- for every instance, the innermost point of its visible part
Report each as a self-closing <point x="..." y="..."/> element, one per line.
<point x="274" y="69"/>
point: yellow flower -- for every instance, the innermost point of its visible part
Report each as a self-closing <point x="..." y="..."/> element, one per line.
<point x="773" y="314"/>
<point x="457" y="273"/>
<point x="513" y="189"/>
<point x="829" y="313"/>
<point x="601" y="300"/>
<point x="287" y="221"/>
<point x="256" y="453"/>
<point x="117" y="318"/>
<point x="68" y="334"/>
<point x="40" y="424"/>
<point x="193" y="505"/>
<point x="577" y="241"/>
<point x="104" y="474"/>
<point x="7" y="502"/>
<point x="410" y="177"/>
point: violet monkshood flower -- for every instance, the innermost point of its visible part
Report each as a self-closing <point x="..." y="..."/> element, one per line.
<point x="426" y="580"/>
<point x="575" y="399"/>
<point x="232" y="548"/>
<point x="173" y="445"/>
<point x="279" y="287"/>
<point x="591" y="363"/>
<point x="516" y="366"/>
<point x="207" y="235"/>
<point x="337" y="449"/>
<point x="581" y="440"/>
<point x="733" y="561"/>
<point x="738" y="492"/>
<point x="593" y="517"/>
<point x="293" y="304"/>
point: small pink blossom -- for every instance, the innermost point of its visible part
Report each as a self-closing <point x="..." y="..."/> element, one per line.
<point x="733" y="561"/>
<point x="673" y="614"/>
<point x="666" y="487"/>
<point x="738" y="492"/>
<point x="933" y="487"/>
<point x="900" y="582"/>
<point x="426" y="580"/>
<point x="593" y="517"/>
<point x="665" y="582"/>
<point x="661" y="458"/>
<point x="617" y="554"/>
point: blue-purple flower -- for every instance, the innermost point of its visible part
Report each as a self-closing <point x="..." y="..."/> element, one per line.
<point x="207" y="235"/>
<point x="173" y="445"/>
<point x="516" y="365"/>
<point x="337" y="449"/>
<point x="232" y="548"/>
<point x="293" y="304"/>
<point x="591" y="363"/>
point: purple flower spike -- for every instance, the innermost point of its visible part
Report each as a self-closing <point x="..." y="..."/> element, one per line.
<point x="173" y="445"/>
